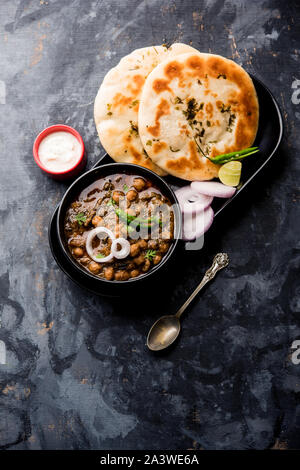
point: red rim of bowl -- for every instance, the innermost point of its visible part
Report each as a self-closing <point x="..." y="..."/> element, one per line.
<point x="50" y="130"/>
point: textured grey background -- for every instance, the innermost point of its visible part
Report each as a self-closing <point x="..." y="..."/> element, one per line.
<point x="78" y="374"/>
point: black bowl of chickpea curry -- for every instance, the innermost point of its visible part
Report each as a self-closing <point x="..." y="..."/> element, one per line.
<point x="119" y="224"/>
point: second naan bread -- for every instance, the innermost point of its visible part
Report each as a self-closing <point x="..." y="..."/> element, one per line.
<point x="117" y="103"/>
<point x="193" y="106"/>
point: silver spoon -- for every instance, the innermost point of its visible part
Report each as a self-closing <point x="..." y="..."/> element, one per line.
<point x="167" y="328"/>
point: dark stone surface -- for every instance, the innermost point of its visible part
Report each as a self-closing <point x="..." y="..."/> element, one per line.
<point x="78" y="374"/>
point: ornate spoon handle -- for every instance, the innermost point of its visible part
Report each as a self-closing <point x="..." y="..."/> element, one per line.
<point x="220" y="261"/>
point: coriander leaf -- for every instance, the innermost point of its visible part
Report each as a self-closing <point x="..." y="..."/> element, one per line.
<point x="134" y="103"/>
<point x="178" y="100"/>
<point x="150" y="254"/>
<point x="133" y="128"/>
<point x="81" y="218"/>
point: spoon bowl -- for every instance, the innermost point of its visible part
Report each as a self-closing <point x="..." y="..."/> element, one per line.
<point x="163" y="333"/>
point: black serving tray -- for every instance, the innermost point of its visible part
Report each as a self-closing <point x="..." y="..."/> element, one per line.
<point x="269" y="136"/>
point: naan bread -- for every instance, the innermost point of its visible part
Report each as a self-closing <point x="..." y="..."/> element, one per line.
<point x="117" y="103"/>
<point x="196" y="105"/>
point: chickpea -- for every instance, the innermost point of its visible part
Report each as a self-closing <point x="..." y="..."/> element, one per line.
<point x="122" y="276"/>
<point x="94" y="267"/>
<point x="134" y="249"/>
<point x="134" y="273"/>
<point x="131" y="212"/>
<point x="142" y="244"/>
<point x="131" y="195"/>
<point x="152" y="244"/>
<point x="156" y="259"/>
<point x="139" y="184"/>
<point x="117" y="195"/>
<point x="78" y="252"/>
<point x="77" y="241"/>
<point x="139" y="260"/>
<point x="118" y="230"/>
<point x="96" y="221"/>
<point x="109" y="273"/>
<point x="146" y="266"/>
<point x="163" y="246"/>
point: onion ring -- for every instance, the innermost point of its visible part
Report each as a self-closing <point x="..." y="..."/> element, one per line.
<point x="196" y="225"/>
<point x="191" y="201"/>
<point x="89" y="247"/>
<point x="125" y="248"/>
<point x="213" y="188"/>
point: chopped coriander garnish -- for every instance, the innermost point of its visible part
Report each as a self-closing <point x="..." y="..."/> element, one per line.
<point x="230" y="122"/>
<point x="178" y="100"/>
<point x="150" y="254"/>
<point x="208" y="123"/>
<point x="109" y="113"/>
<point x="100" y="255"/>
<point x="125" y="188"/>
<point x="134" y="128"/>
<point x="81" y="218"/>
<point x="111" y="202"/>
<point x="134" y="103"/>
<point x="200" y="133"/>
<point x="224" y="109"/>
<point x="191" y="109"/>
<point x="149" y="142"/>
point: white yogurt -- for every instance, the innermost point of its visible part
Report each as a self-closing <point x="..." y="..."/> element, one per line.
<point x="59" y="151"/>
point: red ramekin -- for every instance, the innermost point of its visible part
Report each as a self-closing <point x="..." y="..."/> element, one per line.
<point x="60" y="175"/>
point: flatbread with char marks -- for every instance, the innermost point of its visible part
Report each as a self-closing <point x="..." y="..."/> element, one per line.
<point x="196" y="106"/>
<point x="117" y="103"/>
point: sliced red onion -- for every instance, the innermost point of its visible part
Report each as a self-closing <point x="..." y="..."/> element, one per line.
<point x="125" y="248"/>
<point x="192" y="201"/>
<point x="89" y="248"/>
<point x="213" y="188"/>
<point x="195" y="225"/>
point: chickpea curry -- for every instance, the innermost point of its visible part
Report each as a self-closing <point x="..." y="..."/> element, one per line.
<point x="112" y="209"/>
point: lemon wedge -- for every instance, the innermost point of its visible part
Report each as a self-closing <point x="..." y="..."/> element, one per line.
<point x="230" y="173"/>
